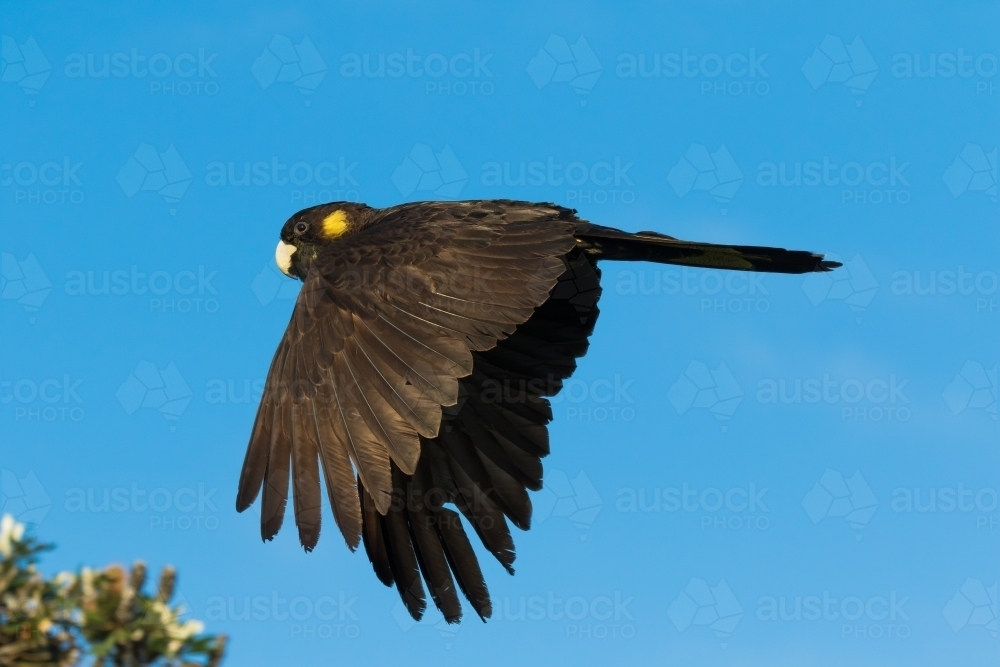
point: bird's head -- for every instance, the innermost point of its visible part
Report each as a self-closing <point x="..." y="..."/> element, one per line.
<point x="306" y="232"/>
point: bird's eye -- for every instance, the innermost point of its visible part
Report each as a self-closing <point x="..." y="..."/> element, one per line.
<point x="301" y="227"/>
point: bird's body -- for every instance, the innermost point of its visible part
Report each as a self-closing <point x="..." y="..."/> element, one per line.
<point x="415" y="370"/>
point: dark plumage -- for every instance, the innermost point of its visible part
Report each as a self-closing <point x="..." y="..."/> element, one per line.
<point x="415" y="371"/>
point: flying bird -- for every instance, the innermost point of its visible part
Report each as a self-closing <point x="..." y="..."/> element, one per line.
<point x="415" y="372"/>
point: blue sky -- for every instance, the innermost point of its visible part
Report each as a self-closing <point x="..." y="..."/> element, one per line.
<point x="741" y="447"/>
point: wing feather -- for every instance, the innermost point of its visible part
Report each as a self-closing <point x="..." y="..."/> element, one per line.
<point x="305" y="473"/>
<point x="379" y="385"/>
<point x="339" y="476"/>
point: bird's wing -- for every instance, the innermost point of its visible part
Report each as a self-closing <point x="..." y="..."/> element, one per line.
<point x="386" y="323"/>
<point x="485" y="458"/>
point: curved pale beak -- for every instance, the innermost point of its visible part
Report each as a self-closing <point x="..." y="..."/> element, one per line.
<point x="283" y="257"/>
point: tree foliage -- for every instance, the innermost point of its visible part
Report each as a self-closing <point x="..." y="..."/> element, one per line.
<point x="106" y="614"/>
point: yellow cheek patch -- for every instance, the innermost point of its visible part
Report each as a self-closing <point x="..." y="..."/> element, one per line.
<point x="335" y="224"/>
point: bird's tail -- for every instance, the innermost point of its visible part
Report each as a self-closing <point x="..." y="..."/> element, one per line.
<point x="609" y="243"/>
